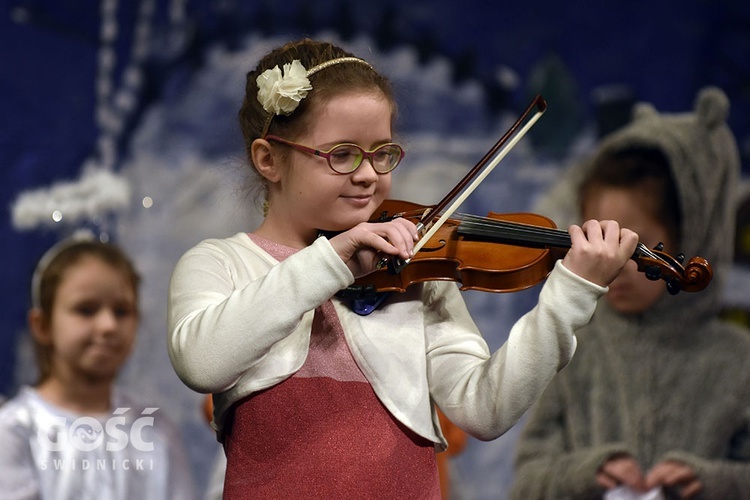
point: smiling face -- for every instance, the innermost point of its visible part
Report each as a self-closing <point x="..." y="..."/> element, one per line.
<point x="631" y="292"/>
<point x="93" y="322"/>
<point x="305" y="194"/>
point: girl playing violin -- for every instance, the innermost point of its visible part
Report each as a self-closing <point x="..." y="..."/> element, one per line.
<point x="310" y="397"/>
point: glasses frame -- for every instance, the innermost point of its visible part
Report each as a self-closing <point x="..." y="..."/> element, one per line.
<point x="327" y="154"/>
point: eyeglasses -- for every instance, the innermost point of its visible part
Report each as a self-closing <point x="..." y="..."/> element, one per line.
<point x="346" y="158"/>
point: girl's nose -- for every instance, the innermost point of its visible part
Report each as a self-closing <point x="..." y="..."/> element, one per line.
<point x="107" y="320"/>
<point x="365" y="173"/>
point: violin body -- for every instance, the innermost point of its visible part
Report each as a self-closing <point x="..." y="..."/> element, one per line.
<point x="450" y="256"/>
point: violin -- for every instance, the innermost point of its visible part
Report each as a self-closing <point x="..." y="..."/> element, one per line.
<point x="508" y="253"/>
<point x="497" y="252"/>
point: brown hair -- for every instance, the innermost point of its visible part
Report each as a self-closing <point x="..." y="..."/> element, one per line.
<point x="326" y="83"/>
<point x="53" y="272"/>
<point x="645" y="170"/>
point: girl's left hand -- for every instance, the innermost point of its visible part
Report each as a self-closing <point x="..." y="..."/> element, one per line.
<point x="599" y="250"/>
<point x="359" y="246"/>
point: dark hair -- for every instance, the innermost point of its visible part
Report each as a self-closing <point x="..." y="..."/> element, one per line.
<point x="53" y="272"/>
<point x="326" y="83"/>
<point x="646" y="170"/>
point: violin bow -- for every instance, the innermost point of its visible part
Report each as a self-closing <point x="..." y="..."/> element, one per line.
<point x="479" y="172"/>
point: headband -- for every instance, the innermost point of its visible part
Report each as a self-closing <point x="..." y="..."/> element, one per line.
<point x="281" y="94"/>
<point x="55" y="250"/>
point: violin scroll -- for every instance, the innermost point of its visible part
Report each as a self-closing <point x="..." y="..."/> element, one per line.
<point x="655" y="264"/>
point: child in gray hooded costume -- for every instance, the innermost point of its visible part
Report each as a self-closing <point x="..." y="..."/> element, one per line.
<point x="671" y="384"/>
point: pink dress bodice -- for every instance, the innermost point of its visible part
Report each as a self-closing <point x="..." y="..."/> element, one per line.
<point x="323" y="433"/>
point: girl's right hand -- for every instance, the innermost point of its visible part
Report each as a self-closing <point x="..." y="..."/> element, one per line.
<point x="359" y="246"/>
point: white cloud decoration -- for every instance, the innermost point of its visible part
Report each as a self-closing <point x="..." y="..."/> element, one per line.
<point x="95" y="194"/>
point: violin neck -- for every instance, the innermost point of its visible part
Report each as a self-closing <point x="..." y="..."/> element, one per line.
<point x="513" y="233"/>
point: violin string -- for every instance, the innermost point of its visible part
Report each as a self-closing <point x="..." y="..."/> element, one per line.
<point x="671" y="264"/>
<point x="489" y="226"/>
<point x="492" y="222"/>
<point x="644" y="250"/>
<point x="514" y="231"/>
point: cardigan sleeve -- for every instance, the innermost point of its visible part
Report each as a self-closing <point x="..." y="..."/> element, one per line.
<point x="226" y="313"/>
<point x="486" y="394"/>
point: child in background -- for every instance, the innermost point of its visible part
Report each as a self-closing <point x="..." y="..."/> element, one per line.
<point x="73" y="435"/>
<point x="656" y="402"/>
<point x="311" y="398"/>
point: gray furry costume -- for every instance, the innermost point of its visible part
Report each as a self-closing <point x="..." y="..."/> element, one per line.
<point x="674" y="382"/>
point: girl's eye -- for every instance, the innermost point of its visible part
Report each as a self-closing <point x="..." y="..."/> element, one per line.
<point x="87" y="310"/>
<point x="124" y="311"/>
<point x="342" y="154"/>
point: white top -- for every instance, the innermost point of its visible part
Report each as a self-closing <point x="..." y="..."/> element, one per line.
<point x="240" y="322"/>
<point x="133" y="453"/>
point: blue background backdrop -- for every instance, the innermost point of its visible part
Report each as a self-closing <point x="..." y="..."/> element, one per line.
<point x="589" y="61"/>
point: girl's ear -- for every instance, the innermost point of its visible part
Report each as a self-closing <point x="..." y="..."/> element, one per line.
<point x="263" y="160"/>
<point x="39" y="327"/>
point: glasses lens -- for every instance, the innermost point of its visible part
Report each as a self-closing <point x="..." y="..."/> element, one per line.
<point x="386" y="158"/>
<point x="345" y="158"/>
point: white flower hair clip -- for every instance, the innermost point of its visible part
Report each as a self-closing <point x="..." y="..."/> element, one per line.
<point x="280" y="93"/>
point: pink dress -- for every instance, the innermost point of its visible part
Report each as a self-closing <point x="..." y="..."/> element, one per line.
<point x="323" y="433"/>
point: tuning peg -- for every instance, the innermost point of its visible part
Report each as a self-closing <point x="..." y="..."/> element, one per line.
<point x="680" y="258"/>
<point x="659" y="247"/>
<point x="673" y="286"/>
<point x="653" y="273"/>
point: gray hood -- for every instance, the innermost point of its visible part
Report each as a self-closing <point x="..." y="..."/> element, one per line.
<point x="704" y="159"/>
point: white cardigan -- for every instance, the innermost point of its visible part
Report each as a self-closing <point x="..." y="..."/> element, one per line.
<point x="240" y="322"/>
